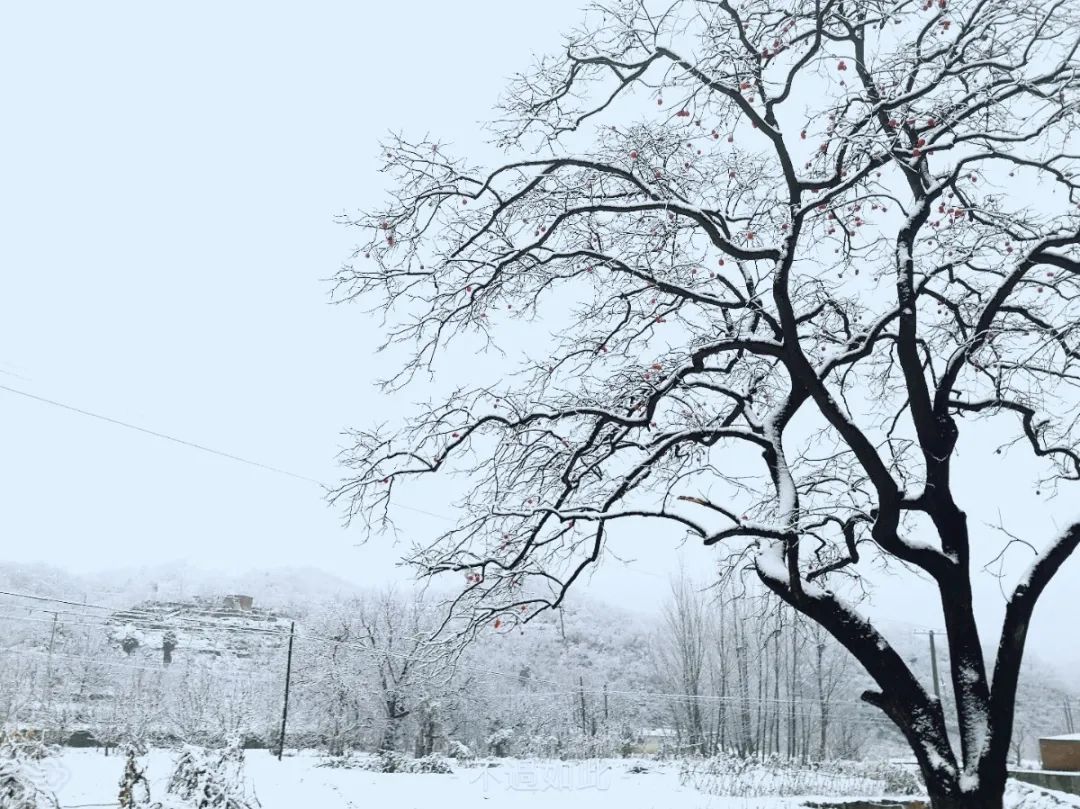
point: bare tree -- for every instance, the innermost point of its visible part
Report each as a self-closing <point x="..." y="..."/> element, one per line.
<point x="812" y="248"/>
<point x="830" y="669"/>
<point x="393" y="632"/>
<point x="681" y="648"/>
<point x="332" y="678"/>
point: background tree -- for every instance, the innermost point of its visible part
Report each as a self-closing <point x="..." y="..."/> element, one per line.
<point x="371" y="668"/>
<point x="331" y="680"/>
<point x="830" y="670"/>
<point x="768" y="258"/>
<point x="169" y="642"/>
<point x="393" y="632"/>
<point x="682" y="651"/>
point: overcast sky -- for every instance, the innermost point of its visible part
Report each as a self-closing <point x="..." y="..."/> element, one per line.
<point x="170" y="177"/>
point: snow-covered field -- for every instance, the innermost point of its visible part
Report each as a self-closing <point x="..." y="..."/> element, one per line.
<point x="296" y="781"/>
<point x="86" y="778"/>
<point x="90" y="778"/>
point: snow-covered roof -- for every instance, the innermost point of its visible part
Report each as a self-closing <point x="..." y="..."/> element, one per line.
<point x="1067" y="737"/>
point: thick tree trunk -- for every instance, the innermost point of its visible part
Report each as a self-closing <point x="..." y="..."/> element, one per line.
<point x="984" y="798"/>
<point x="971" y="801"/>
<point x="394" y="714"/>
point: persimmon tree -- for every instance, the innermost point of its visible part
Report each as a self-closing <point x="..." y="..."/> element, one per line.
<point x="745" y="269"/>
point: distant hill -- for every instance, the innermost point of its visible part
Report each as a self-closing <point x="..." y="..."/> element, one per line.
<point x="125" y="586"/>
<point x="132" y="610"/>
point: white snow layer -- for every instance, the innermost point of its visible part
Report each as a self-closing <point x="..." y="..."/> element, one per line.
<point x="89" y="777"/>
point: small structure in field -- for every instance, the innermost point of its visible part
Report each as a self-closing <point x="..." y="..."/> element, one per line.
<point x="240" y="603"/>
<point x="656" y="742"/>
<point x="1060" y="753"/>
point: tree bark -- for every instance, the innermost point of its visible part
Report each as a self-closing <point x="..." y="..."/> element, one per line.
<point x="977" y="800"/>
<point x="985" y="714"/>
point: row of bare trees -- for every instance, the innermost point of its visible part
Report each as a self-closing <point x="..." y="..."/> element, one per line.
<point x="756" y="679"/>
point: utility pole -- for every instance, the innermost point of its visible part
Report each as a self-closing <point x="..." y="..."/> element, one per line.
<point x="48" y="666"/>
<point x="285" y="707"/>
<point x="934" y="668"/>
<point x="933" y="663"/>
<point x="581" y="693"/>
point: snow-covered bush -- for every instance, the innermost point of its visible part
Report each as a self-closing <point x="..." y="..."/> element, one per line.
<point x="23" y="782"/>
<point x="209" y="780"/>
<point x="746" y="777"/>
<point x="20" y="790"/>
<point x="25" y="748"/>
<point x="498" y="742"/>
<point x="432" y="764"/>
<point x="389" y="762"/>
<point x="896" y="778"/>
<point x="348" y="761"/>
<point x="540" y="746"/>
<point x="459" y="751"/>
<point x="393" y="762"/>
<point x="134" y="788"/>
<point x="26" y="780"/>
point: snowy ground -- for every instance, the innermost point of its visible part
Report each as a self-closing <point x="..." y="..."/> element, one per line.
<point x="90" y="778"/>
<point x="86" y="778"/>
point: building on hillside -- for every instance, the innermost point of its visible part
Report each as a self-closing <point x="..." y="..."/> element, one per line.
<point x="220" y="625"/>
<point x="239" y="603"/>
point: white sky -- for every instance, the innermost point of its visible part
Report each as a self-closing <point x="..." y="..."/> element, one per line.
<point x="170" y="175"/>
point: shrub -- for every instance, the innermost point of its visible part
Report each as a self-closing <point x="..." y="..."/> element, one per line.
<point x="23" y="782"/>
<point x="458" y="751"/>
<point x="391" y="762"/>
<point x="209" y="780"/>
<point x="343" y="762"/>
<point x="745" y="777"/>
<point x="134" y="788"/>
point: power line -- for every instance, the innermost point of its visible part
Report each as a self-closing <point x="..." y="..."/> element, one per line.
<point x="139" y="618"/>
<point x="176" y="669"/>
<point x="32" y="597"/>
<point x="115" y="611"/>
<point x="193" y="445"/>
<point x="156" y="434"/>
<point x="90" y="605"/>
<point x="119" y="615"/>
<point x="6" y="370"/>
<point x="105" y="624"/>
